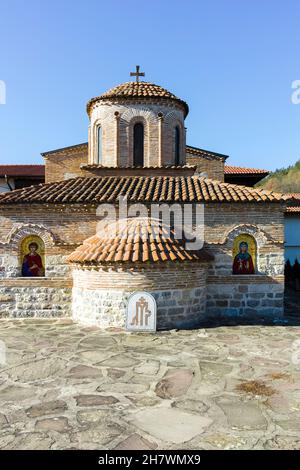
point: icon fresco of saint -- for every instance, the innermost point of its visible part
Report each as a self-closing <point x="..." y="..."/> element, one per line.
<point x="243" y="263"/>
<point x="32" y="265"/>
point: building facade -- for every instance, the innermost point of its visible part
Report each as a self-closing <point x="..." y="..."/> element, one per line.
<point x="55" y="261"/>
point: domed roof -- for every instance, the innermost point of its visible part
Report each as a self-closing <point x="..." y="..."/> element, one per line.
<point x="138" y="90"/>
<point x="135" y="240"/>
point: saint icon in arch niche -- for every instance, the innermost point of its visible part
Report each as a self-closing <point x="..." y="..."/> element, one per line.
<point x="32" y="257"/>
<point x="244" y="253"/>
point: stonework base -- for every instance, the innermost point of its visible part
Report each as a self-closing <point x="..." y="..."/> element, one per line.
<point x="45" y="298"/>
<point x="175" y="308"/>
<point x="179" y="306"/>
<point x="245" y="296"/>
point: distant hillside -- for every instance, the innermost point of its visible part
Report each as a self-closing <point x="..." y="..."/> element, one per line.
<point x="285" y="180"/>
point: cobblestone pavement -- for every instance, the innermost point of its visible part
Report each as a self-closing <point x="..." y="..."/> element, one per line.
<point x="63" y="386"/>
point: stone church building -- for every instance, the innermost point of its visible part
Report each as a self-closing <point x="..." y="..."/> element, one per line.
<point x="56" y="261"/>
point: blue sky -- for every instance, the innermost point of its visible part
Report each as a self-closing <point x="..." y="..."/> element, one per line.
<point x="232" y="61"/>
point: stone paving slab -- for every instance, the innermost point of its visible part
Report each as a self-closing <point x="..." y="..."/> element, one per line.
<point x="64" y="386"/>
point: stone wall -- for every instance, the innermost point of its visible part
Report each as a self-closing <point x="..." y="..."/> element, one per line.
<point x="245" y="296"/>
<point x="100" y="295"/>
<point x="176" y="308"/>
<point x="44" y="298"/>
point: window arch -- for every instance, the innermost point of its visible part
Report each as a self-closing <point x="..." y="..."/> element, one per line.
<point x="99" y="145"/>
<point x="32" y="257"/>
<point x="138" y="144"/>
<point x="244" y="254"/>
<point x="177" y="146"/>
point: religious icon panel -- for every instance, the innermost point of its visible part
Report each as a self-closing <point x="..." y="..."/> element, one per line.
<point x="244" y="255"/>
<point x="33" y="257"/>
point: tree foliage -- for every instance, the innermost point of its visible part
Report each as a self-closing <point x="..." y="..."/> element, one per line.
<point x="284" y="180"/>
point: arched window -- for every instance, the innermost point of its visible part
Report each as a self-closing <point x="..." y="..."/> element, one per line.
<point x="32" y="257"/>
<point x="244" y="254"/>
<point x="177" y="146"/>
<point x="99" y="145"/>
<point x="138" y="144"/>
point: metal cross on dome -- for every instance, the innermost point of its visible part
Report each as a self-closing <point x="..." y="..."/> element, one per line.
<point x="137" y="73"/>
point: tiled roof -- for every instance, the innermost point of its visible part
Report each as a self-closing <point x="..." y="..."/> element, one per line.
<point x="293" y="196"/>
<point x="239" y="170"/>
<point x="140" y="90"/>
<point x="22" y="170"/>
<point x="135" y="240"/>
<point x="157" y="189"/>
<point x="294" y="200"/>
<point x="64" y="150"/>
<point x="198" y="152"/>
<point x="293" y="209"/>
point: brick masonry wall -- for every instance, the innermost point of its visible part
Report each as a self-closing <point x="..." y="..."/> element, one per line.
<point x="68" y="224"/>
<point x="138" y="276"/>
<point x="213" y="168"/>
<point x="65" y="164"/>
<point x="254" y="295"/>
<point x="265" y="223"/>
<point x="117" y="132"/>
<point x="64" y="227"/>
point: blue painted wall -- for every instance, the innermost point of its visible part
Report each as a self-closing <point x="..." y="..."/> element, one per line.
<point x="292" y="238"/>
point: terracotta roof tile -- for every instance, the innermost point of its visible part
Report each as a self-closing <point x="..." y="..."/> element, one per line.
<point x="293" y="200"/>
<point x="293" y="196"/>
<point x="207" y="154"/>
<point x="22" y="170"/>
<point x="238" y="170"/>
<point x="293" y="209"/>
<point x="157" y="189"/>
<point x="140" y="90"/>
<point x="135" y="240"/>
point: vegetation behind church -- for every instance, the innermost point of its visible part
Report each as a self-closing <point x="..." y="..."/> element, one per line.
<point x="285" y="180"/>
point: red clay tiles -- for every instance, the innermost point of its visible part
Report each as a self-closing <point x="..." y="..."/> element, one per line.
<point x="135" y="240"/>
<point x="145" y="189"/>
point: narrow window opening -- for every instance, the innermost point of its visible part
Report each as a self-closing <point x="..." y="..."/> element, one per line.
<point x="177" y="146"/>
<point x="99" y="146"/>
<point x="138" y="144"/>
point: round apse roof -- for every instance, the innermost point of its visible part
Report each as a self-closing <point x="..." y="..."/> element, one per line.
<point x="138" y="91"/>
<point x="135" y="240"/>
